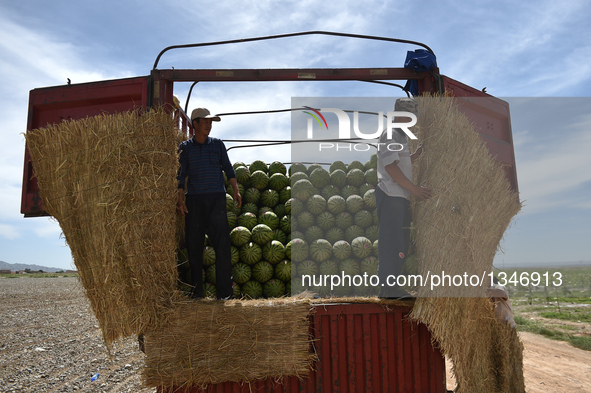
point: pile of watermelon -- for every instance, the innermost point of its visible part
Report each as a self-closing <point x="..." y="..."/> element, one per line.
<point x="305" y="220"/>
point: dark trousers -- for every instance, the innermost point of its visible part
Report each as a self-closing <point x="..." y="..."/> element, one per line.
<point x="208" y="216"/>
<point x="394" y="216"/>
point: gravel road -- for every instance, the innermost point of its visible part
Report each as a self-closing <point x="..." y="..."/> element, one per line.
<point x="50" y="341"/>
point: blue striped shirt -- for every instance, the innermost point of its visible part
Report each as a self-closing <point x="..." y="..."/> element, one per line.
<point x="202" y="165"/>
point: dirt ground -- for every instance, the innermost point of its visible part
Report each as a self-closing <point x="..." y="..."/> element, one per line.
<point x="50" y="342"/>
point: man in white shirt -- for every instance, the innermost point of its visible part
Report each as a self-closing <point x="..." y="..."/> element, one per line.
<point x="393" y="193"/>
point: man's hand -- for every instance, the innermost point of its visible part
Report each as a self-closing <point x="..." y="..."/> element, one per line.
<point x="423" y="193"/>
<point x="237" y="198"/>
<point x="181" y="208"/>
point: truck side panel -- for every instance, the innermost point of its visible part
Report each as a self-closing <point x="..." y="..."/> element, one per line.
<point x="361" y="348"/>
<point x="492" y="120"/>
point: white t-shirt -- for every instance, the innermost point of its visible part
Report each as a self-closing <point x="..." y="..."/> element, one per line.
<point x="394" y="150"/>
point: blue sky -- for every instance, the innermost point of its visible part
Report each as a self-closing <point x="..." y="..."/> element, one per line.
<point x="517" y="50"/>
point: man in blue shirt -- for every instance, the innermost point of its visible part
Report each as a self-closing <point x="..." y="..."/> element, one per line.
<point x="202" y="160"/>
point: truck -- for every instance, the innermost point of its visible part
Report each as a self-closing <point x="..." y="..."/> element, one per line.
<point x="359" y="347"/>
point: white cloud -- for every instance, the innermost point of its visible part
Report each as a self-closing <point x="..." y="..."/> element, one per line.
<point x="555" y="174"/>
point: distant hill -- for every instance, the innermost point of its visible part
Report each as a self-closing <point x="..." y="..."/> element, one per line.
<point x="23" y="266"/>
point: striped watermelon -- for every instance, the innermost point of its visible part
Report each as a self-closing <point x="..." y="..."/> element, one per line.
<point x="259" y="180"/>
<point x="302" y="189"/>
<point x="277" y="167"/>
<point x="237" y="164"/>
<point x="307" y="267"/>
<point x="232" y="219"/>
<point x="249" y="208"/>
<point x="279" y="210"/>
<point x="242" y="175"/>
<point x="373" y="160"/>
<point x="316" y="204"/>
<point x="355" y="165"/>
<point x="363" y="219"/>
<point x="236" y="290"/>
<point x="298" y="176"/>
<point x="278" y="181"/>
<point x="337" y="165"/>
<point x="262" y="234"/>
<point x="270" y="219"/>
<point x="312" y="167"/>
<point x="251" y="253"/>
<point x="210" y="274"/>
<point x="312" y="233"/>
<point x="251" y="195"/>
<point x="285" y="224"/>
<point x="369" y="199"/>
<point x="258" y="165"/>
<point x="336" y="204"/>
<point x="320" y="177"/>
<point x="328" y="267"/>
<point x="283" y="270"/>
<point x="274" y="288"/>
<point x="325" y="220"/>
<point x="338" y="178"/>
<point x="209" y="290"/>
<point x="361" y="247"/>
<point x="263" y="210"/>
<point x="349" y="190"/>
<point x="234" y="255"/>
<point x="208" y="256"/>
<point x="343" y="220"/>
<point x="288" y="205"/>
<point x="374" y="248"/>
<point x="354" y="204"/>
<point x="329" y="190"/>
<point x="296" y="167"/>
<point x="372" y="232"/>
<point x="297" y="206"/>
<point x="334" y="234"/>
<point x="252" y="289"/>
<point x="262" y="271"/>
<point x="285" y="194"/>
<point x="371" y="176"/>
<point x="239" y="236"/>
<point x="269" y="198"/>
<point x="369" y="265"/>
<point x="305" y="219"/>
<point x="279" y="235"/>
<point x="320" y="250"/>
<point x="273" y="252"/>
<point x="354" y="231"/>
<point x="349" y="266"/>
<point x="241" y="272"/>
<point x="248" y="220"/>
<point x="365" y="187"/>
<point x="341" y="249"/>
<point x="355" y="177"/>
<point x="298" y="250"/>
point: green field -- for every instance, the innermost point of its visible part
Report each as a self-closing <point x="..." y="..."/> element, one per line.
<point x="554" y="302"/>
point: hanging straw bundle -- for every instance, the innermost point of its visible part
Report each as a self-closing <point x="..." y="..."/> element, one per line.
<point x="458" y="231"/>
<point x="110" y="182"/>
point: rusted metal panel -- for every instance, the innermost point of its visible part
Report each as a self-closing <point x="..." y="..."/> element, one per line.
<point x="361" y="348"/>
